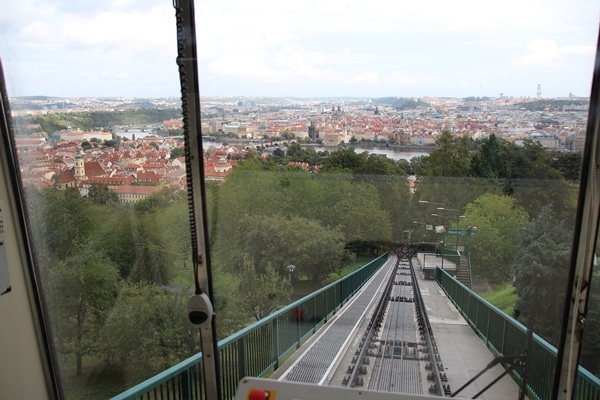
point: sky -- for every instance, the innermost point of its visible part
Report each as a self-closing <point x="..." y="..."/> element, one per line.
<point x="302" y="48"/>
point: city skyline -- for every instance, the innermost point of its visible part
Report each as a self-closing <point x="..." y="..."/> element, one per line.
<point x="311" y="49"/>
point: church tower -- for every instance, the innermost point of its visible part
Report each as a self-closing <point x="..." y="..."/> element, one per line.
<point x="79" y="170"/>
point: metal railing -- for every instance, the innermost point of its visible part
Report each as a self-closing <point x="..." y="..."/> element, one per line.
<point x="504" y="335"/>
<point x="259" y="348"/>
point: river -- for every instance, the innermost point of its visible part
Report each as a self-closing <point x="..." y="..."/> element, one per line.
<point x="395" y="153"/>
<point x="392" y="152"/>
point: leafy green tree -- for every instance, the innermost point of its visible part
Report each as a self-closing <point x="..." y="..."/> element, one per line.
<point x="353" y="207"/>
<point x="376" y="165"/>
<point x="155" y="251"/>
<point x="99" y="193"/>
<point x="540" y="270"/>
<point x="278" y="154"/>
<point x="492" y="159"/>
<point x="344" y="160"/>
<point x="405" y="166"/>
<point x="532" y="161"/>
<point x="569" y="164"/>
<point x="498" y="220"/>
<point x="263" y="292"/>
<point x="231" y="317"/>
<point x="287" y="135"/>
<point x="82" y="289"/>
<point x="116" y="237"/>
<point x="67" y="222"/>
<point x="394" y="197"/>
<point x="453" y="157"/>
<point x="316" y="251"/>
<point x="159" y="201"/>
<point x="177" y="152"/>
<point x="148" y="324"/>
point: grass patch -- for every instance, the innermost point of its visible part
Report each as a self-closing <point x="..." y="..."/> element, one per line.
<point x="503" y="297"/>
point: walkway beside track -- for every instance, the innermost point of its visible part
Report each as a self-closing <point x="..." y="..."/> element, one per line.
<point x="314" y="361"/>
<point x="463" y="353"/>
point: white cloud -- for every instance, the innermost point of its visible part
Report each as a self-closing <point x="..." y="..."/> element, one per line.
<point x="369" y="78"/>
<point x="320" y="45"/>
<point x="409" y="78"/>
<point x="546" y="53"/>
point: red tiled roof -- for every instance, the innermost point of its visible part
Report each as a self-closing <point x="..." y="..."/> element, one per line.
<point x="66" y="176"/>
<point x="94" y="169"/>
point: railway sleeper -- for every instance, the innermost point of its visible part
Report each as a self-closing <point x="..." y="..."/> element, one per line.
<point x="447" y="390"/>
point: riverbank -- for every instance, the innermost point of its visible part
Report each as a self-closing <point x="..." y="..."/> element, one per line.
<point x="399" y="147"/>
<point x="393" y="151"/>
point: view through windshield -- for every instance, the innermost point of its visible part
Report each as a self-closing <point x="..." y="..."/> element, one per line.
<point x="332" y="132"/>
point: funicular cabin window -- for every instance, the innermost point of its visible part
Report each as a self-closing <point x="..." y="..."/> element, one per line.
<point x="332" y="132"/>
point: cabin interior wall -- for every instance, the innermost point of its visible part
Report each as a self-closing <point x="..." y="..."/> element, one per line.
<point x="22" y="374"/>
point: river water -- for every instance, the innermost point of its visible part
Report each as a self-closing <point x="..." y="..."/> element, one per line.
<point x="390" y="152"/>
<point x="393" y="153"/>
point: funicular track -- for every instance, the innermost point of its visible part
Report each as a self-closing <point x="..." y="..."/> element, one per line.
<point x="397" y="352"/>
<point x="381" y="340"/>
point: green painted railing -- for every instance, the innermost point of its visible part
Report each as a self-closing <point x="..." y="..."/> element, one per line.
<point x="259" y="348"/>
<point x="504" y="335"/>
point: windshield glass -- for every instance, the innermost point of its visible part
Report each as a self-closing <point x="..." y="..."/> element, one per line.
<point x="332" y="132"/>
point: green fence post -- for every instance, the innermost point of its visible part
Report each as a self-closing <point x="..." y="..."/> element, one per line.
<point x="275" y="342"/>
<point x="185" y="385"/>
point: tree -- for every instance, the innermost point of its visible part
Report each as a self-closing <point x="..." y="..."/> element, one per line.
<point x="278" y="154"/>
<point x="278" y="241"/>
<point x="394" y="197"/>
<point x="344" y="160"/>
<point x="491" y="160"/>
<point x="230" y="316"/>
<point x="155" y="251"/>
<point x="287" y="135"/>
<point x="68" y="221"/>
<point x="540" y="270"/>
<point x="177" y="152"/>
<point x="167" y="336"/>
<point x="453" y="157"/>
<point x="353" y="207"/>
<point x="376" y="165"/>
<point x="263" y="293"/>
<point x="99" y="193"/>
<point x="82" y="289"/>
<point x="498" y="220"/>
<point x="117" y="238"/>
<point x="569" y="164"/>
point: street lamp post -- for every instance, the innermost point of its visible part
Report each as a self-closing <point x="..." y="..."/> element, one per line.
<point x="291" y="269"/>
